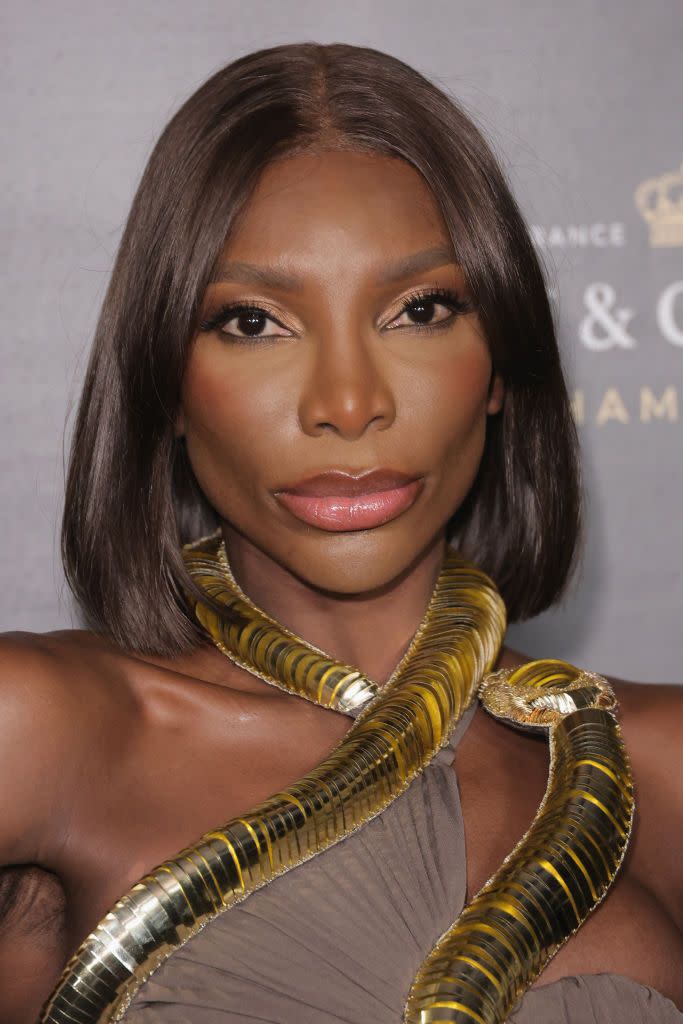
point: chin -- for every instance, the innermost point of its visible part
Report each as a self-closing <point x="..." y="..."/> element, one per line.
<point x="358" y="562"/>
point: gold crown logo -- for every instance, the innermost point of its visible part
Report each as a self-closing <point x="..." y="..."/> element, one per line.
<point x="660" y="201"/>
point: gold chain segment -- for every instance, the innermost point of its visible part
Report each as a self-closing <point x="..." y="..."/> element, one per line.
<point x="560" y="870"/>
<point x="397" y="733"/>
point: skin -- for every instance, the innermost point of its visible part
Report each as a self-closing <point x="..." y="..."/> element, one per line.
<point x="104" y="747"/>
<point x="351" y="384"/>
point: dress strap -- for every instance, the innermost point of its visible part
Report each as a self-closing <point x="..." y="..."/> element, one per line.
<point x="446" y="754"/>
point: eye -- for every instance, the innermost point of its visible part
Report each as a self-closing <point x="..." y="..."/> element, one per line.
<point x="248" y="321"/>
<point x="421" y="308"/>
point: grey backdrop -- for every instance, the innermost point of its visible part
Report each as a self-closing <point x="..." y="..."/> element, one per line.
<point x="582" y="102"/>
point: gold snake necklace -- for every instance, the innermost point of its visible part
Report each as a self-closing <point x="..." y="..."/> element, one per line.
<point x="544" y="890"/>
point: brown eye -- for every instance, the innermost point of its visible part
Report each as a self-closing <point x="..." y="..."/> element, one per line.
<point x="250" y="322"/>
<point x="243" y="322"/>
<point x="422" y="309"/>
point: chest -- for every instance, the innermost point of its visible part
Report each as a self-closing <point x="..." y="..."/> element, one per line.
<point x="349" y="926"/>
<point x="177" y="782"/>
<point x="374" y="905"/>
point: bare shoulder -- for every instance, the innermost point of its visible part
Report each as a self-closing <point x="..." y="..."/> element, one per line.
<point x="651" y="719"/>
<point x="651" y="716"/>
<point x="58" y="676"/>
<point x="56" y="704"/>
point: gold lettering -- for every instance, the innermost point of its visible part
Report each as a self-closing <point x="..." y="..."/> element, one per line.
<point x="578" y="404"/>
<point x="611" y="408"/>
<point x="665" y="407"/>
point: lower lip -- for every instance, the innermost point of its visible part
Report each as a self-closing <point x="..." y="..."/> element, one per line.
<point x="339" y="513"/>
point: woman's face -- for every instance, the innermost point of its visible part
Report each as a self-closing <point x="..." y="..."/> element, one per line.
<point x="345" y="364"/>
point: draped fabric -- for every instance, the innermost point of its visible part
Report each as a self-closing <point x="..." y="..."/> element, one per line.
<point x="340" y="937"/>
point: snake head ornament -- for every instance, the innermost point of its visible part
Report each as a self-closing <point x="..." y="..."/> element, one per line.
<point x="540" y="693"/>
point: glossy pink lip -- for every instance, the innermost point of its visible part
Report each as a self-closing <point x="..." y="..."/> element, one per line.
<point x="337" y="501"/>
<point x="338" y="481"/>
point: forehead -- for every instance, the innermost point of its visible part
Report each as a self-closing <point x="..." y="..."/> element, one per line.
<point x="337" y="203"/>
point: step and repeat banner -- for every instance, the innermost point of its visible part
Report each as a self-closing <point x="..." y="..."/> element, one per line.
<point x="583" y="105"/>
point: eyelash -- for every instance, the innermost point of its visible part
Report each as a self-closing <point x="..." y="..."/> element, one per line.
<point x="444" y="297"/>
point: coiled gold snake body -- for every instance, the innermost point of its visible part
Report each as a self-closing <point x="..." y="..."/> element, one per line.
<point x="559" y="871"/>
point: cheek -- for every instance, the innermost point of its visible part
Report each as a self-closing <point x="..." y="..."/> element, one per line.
<point x="211" y="394"/>
<point x="456" y="397"/>
<point x="237" y="395"/>
<point x="453" y="425"/>
<point x="224" y="420"/>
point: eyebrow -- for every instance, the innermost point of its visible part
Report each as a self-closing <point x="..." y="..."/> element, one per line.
<point x="269" y="277"/>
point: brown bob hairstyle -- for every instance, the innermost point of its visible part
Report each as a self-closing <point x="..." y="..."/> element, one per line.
<point x="131" y="497"/>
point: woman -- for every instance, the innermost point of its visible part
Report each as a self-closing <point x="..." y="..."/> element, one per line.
<point x="327" y="337"/>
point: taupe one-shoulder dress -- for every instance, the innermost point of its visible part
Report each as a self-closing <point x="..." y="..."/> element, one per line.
<point x="340" y="937"/>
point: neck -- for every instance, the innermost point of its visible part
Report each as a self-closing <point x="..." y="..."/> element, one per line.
<point x="347" y="627"/>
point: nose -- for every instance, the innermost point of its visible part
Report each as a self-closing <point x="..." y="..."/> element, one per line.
<point x="347" y="391"/>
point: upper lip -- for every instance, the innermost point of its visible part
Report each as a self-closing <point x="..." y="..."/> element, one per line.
<point x="340" y="482"/>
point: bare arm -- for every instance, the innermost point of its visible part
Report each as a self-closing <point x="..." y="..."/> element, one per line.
<point x="36" y="748"/>
<point x="36" y="758"/>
